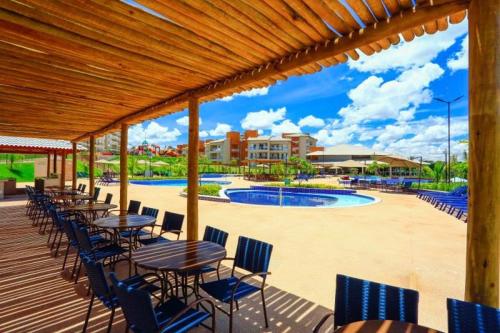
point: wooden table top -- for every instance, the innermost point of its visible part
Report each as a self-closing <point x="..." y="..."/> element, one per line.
<point x="92" y="206"/>
<point x="178" y="256"/>
<point x="68" y="197"/>
<point x="384" y="326"/>
<point x="125" y="221"/>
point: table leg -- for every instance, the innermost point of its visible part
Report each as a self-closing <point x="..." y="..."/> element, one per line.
<point x="130" y="254"/>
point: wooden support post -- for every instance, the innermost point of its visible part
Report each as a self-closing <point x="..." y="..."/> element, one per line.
<point x="55" y="163"/>
<point x="48" y="165"/>
<point x="192" y="195"/>
<point x="73" y="167"/>
<point x="483" y="220"/>
<point x="91" y="165"/>
<point x="63" y="171"/>
<point x="123" y="167"/>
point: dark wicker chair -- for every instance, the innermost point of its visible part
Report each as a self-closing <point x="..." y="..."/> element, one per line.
<point x="172" y="223"/>
<point x="466" y="317"/>
<point x="357" y="300"/>
<point x="252" y="256"/>
<point x="171" y="316"/>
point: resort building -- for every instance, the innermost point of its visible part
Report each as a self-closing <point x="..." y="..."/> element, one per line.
<point x="250" y="147"/>
<point x="146" y="148"/>
<point x="108" y="143"/>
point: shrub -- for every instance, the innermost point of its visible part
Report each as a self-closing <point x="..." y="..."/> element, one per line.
<point x="208" y="189"/>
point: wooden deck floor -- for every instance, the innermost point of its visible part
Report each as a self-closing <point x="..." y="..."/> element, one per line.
<point x="35" y="296"/>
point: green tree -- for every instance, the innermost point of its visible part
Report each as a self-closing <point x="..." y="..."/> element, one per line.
<point x="438" y="171"/>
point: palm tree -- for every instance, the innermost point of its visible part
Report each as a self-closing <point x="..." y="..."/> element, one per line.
<point x="437" y="171"/>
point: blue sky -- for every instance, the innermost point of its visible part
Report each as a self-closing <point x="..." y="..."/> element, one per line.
<point x="384" y="102"/>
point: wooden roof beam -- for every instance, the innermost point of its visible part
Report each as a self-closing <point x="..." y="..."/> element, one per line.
<point x="407" y="19"/>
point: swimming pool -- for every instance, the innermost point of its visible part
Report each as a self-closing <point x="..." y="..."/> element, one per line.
<point x="296" y="199"/>
<point x="175" y="182"/>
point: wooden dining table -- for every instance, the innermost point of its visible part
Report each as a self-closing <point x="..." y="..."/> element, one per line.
<point x="132" y="223"/>
<point x="72" y="197"/>
<point x="179" y="257"/>
<point x="384" y="326"/>
<point x="91" y="210"/>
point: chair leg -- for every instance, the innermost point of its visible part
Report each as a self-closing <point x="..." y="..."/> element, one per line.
<point x="74" y="264"/>
<point x="88" y="313"/>
<point x="58" y="245"/>
<point x="66" y="255"/>
<point x="111" y="319"/>
<point x="78" y="272"/>
<point x="264" y="306"/>
<point x="231" y="318"/>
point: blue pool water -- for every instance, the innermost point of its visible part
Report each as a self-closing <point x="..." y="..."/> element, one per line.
<point x="175" y="182"/>
<point x="272" y="198"/>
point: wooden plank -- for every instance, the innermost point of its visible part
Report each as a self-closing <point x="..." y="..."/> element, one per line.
<point x="91" y="165"/>
<point x="192" y="195"/>
<point x="483" y="219"/>
<point x="123" y="167"/>
<point x="397" y="24"/>
<point x="74" y="176"/>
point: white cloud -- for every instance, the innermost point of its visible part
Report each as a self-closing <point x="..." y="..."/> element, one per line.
<point x="220" y="130"/>
<point x="311" y="121"/>
<point x="248" y="93"/>
<point x="460" y="60"/>
<point x="153" y="133"/>
<point x="184" y="121"/>
<point x="263" y="119"/>
<point x="286" y="126"/>
<point x="375" y="99"/>
<point x="418" y="52"/>
<point x="203" y="134"/>
<point x="330" y="135"/>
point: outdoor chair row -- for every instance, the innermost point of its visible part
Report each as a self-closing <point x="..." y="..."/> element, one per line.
<point x="99" y="252"/>
<point x="454" y="202"/>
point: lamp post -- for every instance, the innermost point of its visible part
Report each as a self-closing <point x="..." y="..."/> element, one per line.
<point x="448" y="103"/>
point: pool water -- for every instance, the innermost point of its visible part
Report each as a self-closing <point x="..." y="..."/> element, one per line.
<point x="273" y="198"/>
<point x="175" y="182"/>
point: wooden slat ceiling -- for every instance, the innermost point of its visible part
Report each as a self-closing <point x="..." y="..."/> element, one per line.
<point x="69" y="69"/>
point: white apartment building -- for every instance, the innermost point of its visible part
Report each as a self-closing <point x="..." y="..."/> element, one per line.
<point x="273" y="148"/>
<point x="109" y="143"/>
<point x="217" y="151"/>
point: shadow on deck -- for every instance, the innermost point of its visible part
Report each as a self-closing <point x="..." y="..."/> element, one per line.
<point x="35" y="297"/>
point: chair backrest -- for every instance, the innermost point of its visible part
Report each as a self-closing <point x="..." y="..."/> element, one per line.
<point x="466" y="317"/>
<point x="172" y="221"/>
<point x="97" y="190"/>
<point x="79" y="187"/>
<point x="136" y="306"/>
<point x="109" y="197"/>
<point x="133" y="207"/>
<point x="150" y="211"/>
<point x="97" y="278"/>
<point x="252" y="255"/>
<point x="84" y="186"/>
<point x="82" y="237"/>
<point x="357" y="300"/>
<point x="215" y="235"/>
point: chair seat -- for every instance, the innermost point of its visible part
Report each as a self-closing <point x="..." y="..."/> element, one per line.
<point x="155" y="240"/>
<point x="108" y="251"/>
<point x="138" y="281"/>
<point x="222" y="289"/>
<point x="126" y="234"/>
<point x="173" y="306"/>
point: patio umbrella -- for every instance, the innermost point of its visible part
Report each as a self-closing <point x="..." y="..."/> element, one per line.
<point x="142" y="162"/>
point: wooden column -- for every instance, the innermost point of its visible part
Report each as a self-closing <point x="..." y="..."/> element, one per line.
<point x="91" y="165"/>
<point x="123" y="167"/>
<point x="55" y="163"/>
<point x="73" y="167"/>
<point x="63" y="171"/>
<point x="483" y="225"/>
<point x="192" y="195"/>
<point x="48" y="165"/>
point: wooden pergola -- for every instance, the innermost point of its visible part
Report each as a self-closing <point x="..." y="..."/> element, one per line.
<point x="79" y="69"/>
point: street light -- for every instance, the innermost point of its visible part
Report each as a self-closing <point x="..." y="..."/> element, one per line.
<point x="448" y="102"/>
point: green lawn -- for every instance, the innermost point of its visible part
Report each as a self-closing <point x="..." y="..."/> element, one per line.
<point x="22" y="172"/>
